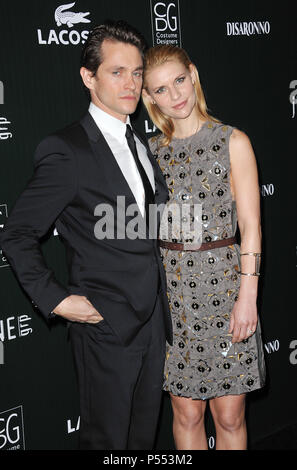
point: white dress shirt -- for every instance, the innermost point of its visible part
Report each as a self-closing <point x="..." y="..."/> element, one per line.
<point x="114" y="132"/>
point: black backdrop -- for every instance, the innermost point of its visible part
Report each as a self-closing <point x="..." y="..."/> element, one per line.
<point x="246" y="56"/>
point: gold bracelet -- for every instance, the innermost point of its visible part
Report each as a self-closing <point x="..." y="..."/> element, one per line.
<point x="257" y="263"/>
<point x="249" y="274"/>
<point x="251" y="253"/>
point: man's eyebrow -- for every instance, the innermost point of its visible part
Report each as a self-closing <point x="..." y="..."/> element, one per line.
<point x="121" y="67"/>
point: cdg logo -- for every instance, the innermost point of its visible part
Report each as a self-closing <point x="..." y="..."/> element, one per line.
<point x="9" y="434"/>
<point x="163" y="20"/>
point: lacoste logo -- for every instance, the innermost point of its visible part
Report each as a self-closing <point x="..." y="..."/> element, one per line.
<point x="69" y="17"/>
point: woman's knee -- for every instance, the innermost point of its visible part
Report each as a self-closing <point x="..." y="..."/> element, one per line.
<point x="228" y="414"/>
<point x="229" y="421"/>
<point x="188" y="413"/>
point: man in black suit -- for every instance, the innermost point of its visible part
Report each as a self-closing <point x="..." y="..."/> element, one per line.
<point x="115" y="302"/>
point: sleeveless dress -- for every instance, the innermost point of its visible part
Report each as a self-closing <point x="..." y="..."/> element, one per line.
<point x="202" y="286"/>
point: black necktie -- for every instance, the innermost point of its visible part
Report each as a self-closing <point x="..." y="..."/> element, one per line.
<point x="148" y="190"/>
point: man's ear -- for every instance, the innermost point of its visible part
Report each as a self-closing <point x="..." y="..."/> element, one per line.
<point x="147" y="96"/>
<point x="87" y="77"/>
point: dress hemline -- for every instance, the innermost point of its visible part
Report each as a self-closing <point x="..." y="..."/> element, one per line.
<point x="223" y="394"/>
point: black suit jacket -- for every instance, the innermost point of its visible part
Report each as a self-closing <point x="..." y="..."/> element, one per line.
<point x="75" y="171"/>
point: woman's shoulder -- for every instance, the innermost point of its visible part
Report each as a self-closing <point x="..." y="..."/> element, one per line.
<point x="239" y="138"/>
<point x="240" y="147"/>
<point x="155" y="143"/>
<point x="218" y="126"/>
<point x="235" y="132"/>
<point x="235" y="135"/>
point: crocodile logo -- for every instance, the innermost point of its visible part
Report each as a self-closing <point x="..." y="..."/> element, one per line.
<point x="69" y="17"/>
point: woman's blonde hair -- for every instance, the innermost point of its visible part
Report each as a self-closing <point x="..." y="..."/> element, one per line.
<point x="159" y="55"/>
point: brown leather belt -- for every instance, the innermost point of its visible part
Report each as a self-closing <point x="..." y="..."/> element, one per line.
<point x="197" y="247"/>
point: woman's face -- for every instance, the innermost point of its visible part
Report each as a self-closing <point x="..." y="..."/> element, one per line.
<point x="170" y="86"/>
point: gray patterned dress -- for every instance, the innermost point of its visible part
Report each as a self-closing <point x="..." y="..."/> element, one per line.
<point x="203" y="285"/>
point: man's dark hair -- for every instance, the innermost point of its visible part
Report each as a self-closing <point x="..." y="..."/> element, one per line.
<point x="121" y="31"/>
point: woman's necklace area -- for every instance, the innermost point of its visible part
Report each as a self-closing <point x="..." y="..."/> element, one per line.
<point x="188" y="145"/>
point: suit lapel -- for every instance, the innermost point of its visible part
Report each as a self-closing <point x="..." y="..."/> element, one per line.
<point x="106" y="160"/>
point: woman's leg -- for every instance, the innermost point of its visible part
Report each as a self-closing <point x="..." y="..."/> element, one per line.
<point x="188" y="423"/>
<point x="229" y="418"/>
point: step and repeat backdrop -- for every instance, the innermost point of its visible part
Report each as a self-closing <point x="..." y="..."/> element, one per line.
<point x="246" y="56"/>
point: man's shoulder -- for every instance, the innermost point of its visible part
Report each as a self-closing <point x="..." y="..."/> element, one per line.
<point x="71" y="136"/>
<point x="67" y="131"/>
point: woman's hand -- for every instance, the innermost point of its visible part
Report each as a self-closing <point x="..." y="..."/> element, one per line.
<point x="244" y="319"/>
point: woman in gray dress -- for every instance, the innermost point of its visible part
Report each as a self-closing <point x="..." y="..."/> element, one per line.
<point x="217" y="353"/>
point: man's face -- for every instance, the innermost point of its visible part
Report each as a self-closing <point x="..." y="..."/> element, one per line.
<point x="116" y="87"/>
